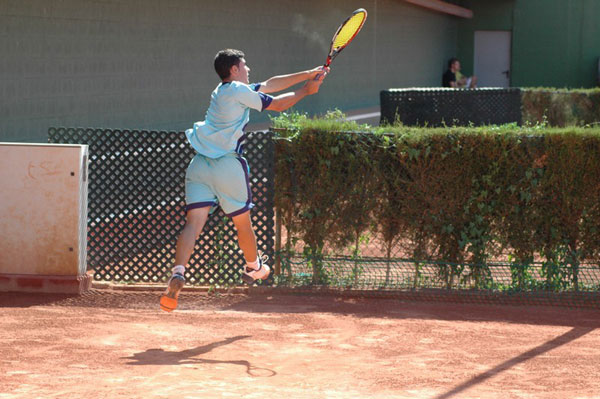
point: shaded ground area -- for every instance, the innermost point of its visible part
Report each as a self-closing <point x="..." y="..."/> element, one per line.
<point x="112" y="344"/>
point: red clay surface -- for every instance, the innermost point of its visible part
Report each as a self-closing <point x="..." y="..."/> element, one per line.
<point x="112" y="344"/>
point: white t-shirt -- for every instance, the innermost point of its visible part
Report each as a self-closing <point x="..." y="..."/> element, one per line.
<point x="222" y="130"/>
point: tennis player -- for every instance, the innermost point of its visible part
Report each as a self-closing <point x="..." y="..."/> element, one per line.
<point x="218" y="174"/>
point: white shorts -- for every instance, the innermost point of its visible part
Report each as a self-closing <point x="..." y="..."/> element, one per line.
<point x="221" y="182"/>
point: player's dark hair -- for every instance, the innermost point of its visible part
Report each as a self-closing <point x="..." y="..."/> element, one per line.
<point x="225" y="59"/>
<point x="451" y="61"/>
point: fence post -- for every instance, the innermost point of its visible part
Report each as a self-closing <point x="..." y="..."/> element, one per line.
<point x="277" y="242"/>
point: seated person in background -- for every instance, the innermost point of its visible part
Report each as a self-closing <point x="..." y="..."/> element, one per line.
<point x="453" y="77"/>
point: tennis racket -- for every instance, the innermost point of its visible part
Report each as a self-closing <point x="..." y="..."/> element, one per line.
<point x="346" y="33"/>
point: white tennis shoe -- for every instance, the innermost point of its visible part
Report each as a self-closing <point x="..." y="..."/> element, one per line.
<point x="251" y="275"/>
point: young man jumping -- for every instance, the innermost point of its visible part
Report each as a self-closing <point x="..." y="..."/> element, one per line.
<point x="218" y="174"/>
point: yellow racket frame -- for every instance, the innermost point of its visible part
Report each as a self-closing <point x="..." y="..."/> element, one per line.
<point x="346" y="32"/>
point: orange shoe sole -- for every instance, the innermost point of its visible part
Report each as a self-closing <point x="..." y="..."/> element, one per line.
<point x="168" y="304"/>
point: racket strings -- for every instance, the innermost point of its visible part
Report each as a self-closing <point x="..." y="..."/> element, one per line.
<point x="349" y="30"/>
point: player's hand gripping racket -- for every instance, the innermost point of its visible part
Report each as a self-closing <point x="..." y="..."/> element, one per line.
<point x="346" y="33"/>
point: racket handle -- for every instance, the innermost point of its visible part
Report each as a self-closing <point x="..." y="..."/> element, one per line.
<point x="326" y="65"/>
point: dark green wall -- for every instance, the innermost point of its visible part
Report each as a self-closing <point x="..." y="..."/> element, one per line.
<point x="555" y="43"/>
<point x="147" y="64"/>
<point x="488" y="15"/>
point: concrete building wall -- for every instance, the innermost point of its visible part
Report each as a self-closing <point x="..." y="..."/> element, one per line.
<point x="489" y="15"/>
<point x="555" y="43"/>
<point x="147" y="64"/>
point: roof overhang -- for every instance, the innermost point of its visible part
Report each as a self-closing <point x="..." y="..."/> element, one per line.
<point x="443" y="7"/>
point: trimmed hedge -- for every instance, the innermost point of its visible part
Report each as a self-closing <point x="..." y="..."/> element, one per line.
<point x="456" y="195"/>
<point x="561" y="107"/>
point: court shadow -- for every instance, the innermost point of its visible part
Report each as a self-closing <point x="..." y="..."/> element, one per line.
<point x="29" y="299"/>
<point x="567" y="337"/>
<point x="162" y="357"/>
<point x="404" y="309"/>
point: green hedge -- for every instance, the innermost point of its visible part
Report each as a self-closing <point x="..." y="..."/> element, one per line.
<point x="456" y="195"/>
<point x="561" y="107"/>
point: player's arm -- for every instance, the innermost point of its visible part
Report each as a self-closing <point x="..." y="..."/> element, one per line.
<point x="287" y="100"/>
<point x="282" y="82"/>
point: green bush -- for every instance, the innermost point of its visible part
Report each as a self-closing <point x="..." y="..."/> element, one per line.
<point x="561" y="107"/>
<point x="455" y="195"/>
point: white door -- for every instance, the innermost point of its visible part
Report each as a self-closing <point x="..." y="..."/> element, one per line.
<point x="492" y="58"/>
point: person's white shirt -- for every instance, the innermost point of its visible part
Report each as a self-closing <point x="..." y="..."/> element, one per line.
<point x="222" y="130"/>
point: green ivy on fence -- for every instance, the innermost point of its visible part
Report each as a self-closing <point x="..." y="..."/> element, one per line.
<point x="460" y="199"/>
<point x="561" y="107"/>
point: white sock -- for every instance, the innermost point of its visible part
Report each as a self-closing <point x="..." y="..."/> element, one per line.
<point x="179" y="269"/>
<point x="253" y="265"/>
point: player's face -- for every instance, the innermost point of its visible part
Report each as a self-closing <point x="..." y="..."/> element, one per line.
<point x="243" y="72"/>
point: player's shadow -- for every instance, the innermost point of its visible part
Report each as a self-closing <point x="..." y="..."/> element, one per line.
<point x="162" y="357"/>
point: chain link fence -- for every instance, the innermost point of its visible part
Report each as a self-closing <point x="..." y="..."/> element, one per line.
<point x="137" y="209"/>
<point x="136" y="206"/>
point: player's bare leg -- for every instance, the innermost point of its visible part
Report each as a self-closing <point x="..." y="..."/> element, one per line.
<point x="195" y="221"/>
<point x="255" y="265"/>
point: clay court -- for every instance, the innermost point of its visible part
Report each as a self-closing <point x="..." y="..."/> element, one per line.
<point x="118" y="344"/>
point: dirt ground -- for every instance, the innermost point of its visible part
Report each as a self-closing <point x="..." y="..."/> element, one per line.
<point x="114" y="344"/>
